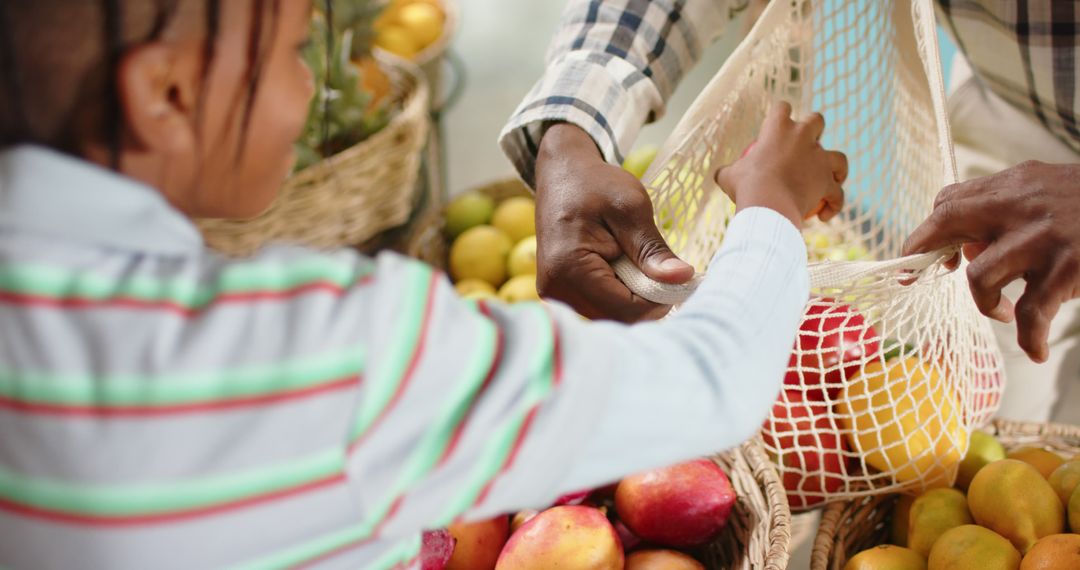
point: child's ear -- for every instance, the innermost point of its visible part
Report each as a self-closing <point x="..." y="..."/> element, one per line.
<point x="157" y="91"/>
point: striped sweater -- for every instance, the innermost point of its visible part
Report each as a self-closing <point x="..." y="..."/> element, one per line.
<point x="164" y="407"/>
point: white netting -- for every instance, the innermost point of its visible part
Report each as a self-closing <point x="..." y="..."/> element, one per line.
<point x="894" y="365"/>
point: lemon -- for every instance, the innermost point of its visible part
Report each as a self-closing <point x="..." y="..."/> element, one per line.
<point x="523" y="257"/>
<point x="423" y="21"/>
<point x="397" y="40"/>
<point x="639" y="160"/>
<point x="468" y="210"/>
<point x="516" y="217"/>
<point x="521" y="288"/>
<point x="469" y="287"/>
<point x="904" y="420"/>
<point x="983" y="450"/>
<point x="480" y="253"/>
<point x="886" y="557"/>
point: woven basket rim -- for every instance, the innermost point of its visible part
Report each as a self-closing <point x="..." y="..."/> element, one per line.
<point x="401" y="137"/>
<point x="837" y="516"/>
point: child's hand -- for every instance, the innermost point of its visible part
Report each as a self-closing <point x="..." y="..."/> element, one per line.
<point x="787" y="170"/>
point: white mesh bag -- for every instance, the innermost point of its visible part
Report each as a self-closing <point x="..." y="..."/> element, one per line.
<point x="888" y="376"/>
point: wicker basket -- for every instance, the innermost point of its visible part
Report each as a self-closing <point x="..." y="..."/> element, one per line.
<point x="758" y="534"/>
<point x="349" y="197"/>
<point x="850" y="527"/>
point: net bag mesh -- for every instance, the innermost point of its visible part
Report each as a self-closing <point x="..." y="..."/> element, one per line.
<point x="893" y="366"/>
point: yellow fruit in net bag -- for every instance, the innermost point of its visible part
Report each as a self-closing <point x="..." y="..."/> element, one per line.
<point x="904" y="420"/>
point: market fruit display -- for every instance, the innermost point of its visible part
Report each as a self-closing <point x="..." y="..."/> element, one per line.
<point x="493" y="247"/>
<point x="683" y="505"/>
<point x="591" y="529"/>
<point x="1009" y="518"/>
<point x="408" y="27"/>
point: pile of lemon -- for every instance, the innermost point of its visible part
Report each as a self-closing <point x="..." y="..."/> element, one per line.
<point x="493" y="254"/>
<point x="1008" y="511"/>
<point x="407" y="27"/>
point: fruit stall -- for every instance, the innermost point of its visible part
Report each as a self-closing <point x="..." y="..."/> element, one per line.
<point x="884" y="425"/>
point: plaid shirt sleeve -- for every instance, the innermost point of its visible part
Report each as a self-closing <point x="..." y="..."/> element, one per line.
<point x="611" y="68"/>
<point x="1026" y="53"/>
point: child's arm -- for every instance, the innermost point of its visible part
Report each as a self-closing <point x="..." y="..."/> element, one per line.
<point x="511" y="406"/>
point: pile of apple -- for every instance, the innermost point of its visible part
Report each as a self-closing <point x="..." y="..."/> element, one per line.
<point x="657" y="520"/>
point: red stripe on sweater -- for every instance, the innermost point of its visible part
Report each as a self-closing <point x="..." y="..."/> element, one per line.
<point x="84" y="303"/>
<point x="142" y="411"/>
<point x="414" y="363"/>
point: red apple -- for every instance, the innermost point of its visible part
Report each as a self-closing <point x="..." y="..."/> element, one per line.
<point x="575" y="537"/>
<point x="833" y="342"/>
<point x="478" y="543"/>
<point x="661" y="560"/>
<point x="682" y="505"/>
<point x="436" y="549"/>
<point x="808" y="447"/>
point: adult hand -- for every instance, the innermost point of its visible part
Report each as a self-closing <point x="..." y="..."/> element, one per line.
<point x="588" y="214"/>
<point x="1023" y="222"/>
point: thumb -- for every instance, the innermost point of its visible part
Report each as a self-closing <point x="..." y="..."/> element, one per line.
<point x="646" y="248"/>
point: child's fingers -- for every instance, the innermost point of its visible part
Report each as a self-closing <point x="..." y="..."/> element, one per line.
<point x="779" y="115"/>
<point x="813" y="125"/>
<point x="838" y="162"/>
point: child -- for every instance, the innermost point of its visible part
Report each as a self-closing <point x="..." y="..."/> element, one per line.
<point x="164" y="407"/>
